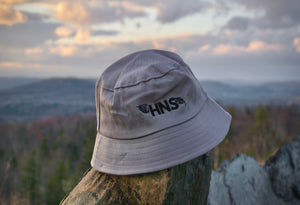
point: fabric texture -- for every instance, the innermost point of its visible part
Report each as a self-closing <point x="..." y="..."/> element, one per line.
<point x="152" y="114"/>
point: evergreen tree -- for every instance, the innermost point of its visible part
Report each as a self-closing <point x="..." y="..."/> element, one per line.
<point x="43" y="163"/>
<point x="54" y="187"/>
<point x="44" y="148"/>
<point x="29" y="178"/>
<point x="265" y="136"/>
<point x="261" y="117"/>
<point x="87" y="154"/>
<point x="88" y="148"/>
<point x="2" y="153"/>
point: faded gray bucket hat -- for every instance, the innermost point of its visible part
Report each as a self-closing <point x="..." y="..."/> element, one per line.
<point x="153" y="114"/>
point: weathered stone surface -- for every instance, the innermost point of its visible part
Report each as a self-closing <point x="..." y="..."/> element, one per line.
<point x="244" y="181"/>
<point x="219" y="193"/>
<point x="284" y="171"/>
<point x="187" y="183"/>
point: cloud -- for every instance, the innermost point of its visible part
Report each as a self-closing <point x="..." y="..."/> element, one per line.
<point x="254" y="60"/>
<point x="104" y="32"/>
<point x="63" y="31"/>
<point x="296" y="43"/>
<point x="30" y="69"/>
<point x="205" y="47"/>
<point x="253" y="47"/>
<point x="28" y="34"/>
<point x="84" y="14"/>
<point x="277" y="14"/>
<point x="87" y="13"/>
<point x="36" y="16"/>
<point x="9" y="16"/>
<point x="9" y="64"/>
<point x="32" y="66"/>
<point x="14" y="1"/>
<point x="82" y="35"/>
<point x="258" y="46"/>
<point x="180" y="41"/>
<point x="213" y="44"/>
<point x="32" y="51"/>
<point x="169" y="11"/>
<point x="73" y="13"/>
<point x="158" y="45"/>
<point x="238" y="23"/>
<point x="249" y="42"/>
<point x="129" y="5"/>
<point x="224" y="49"/>
<point x="172" y="10"/>
<point x="63" y="51"/>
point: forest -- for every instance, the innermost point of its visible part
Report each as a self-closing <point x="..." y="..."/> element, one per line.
<point x="41" y="161"/>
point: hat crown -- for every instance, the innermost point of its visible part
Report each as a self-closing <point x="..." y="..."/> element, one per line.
<point x="146" y="92"/>
<point x="139" y="67"/>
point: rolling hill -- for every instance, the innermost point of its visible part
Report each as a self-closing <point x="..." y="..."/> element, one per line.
<point x="47" y="98"/>
<point x="39" y="99"/>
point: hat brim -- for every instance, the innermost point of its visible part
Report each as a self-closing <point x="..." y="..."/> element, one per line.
<point x="163" y="149"/>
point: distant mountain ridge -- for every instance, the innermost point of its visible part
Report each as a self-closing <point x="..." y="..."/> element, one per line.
<point x="67" y="96"/>
<point x="46" y="98"/>
<point x="8" y="83"/>
<point x="281" y="93"/>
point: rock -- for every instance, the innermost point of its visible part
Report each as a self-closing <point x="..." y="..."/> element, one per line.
<point x="244" y="181"/>
<point x="187" y="183"/>
<point x="284" y="171"/>
<point x="219" y="192"/>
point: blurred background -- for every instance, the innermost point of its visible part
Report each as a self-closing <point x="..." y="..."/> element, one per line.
<point x="245" y="53"/>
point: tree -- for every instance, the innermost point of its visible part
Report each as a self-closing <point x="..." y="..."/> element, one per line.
<point x="54" y="187"/>
<point x="29" y="178"/>
<point x="44" y="148"/>
<point x="88" y="146"/>
<point x="87" y="153"/>
<point x="265" y="136"/>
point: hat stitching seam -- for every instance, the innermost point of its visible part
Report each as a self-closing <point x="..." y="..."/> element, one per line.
<point x="144" y="81"/>
<point x="139" y="82"/>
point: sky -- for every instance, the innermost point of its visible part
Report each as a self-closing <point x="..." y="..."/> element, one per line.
<point x="226" y="40"/>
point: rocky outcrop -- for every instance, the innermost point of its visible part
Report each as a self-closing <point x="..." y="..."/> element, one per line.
<point x="244" y="181"/>
<point x="187" y="183"/>
<point x="284" y="171"/>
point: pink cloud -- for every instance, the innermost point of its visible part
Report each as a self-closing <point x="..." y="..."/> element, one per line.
<point x="296" y="43"/>
<point x="73" y="13"/>
<point x="9" y="16"/>
<point x="82" y="35"/>
<point x="33" y="51"/>
<point x="63" y="31"/>
<point x="253" y="47"/>
<point x="64" y="51"/>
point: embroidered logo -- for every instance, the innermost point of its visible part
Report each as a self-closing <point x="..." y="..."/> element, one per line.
<point x="160" y="107"/>
<point x="144" y="108"/>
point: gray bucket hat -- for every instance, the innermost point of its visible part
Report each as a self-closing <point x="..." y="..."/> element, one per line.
<point x="152" y="114"/>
